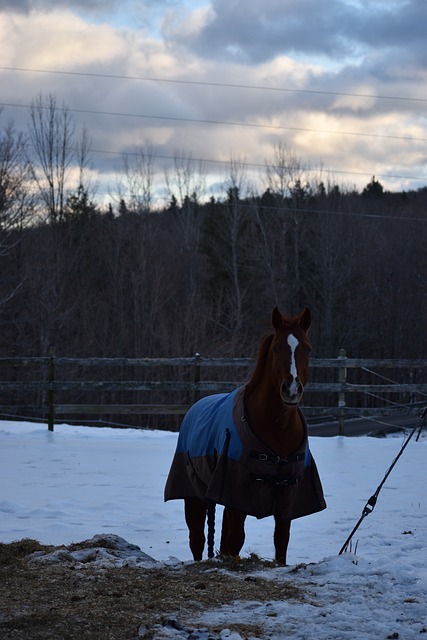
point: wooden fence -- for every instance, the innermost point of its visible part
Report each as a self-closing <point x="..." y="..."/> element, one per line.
<point x="58" y="386"/>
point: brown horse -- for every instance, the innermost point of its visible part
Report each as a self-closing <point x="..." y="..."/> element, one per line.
<point x="248" y="450"/>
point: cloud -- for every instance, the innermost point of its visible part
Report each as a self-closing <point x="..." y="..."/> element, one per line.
<point x="46" y="5"/>
<point x="15" y="5"/>
<point x="212" y="55"/>
<point x="256" y="31"/>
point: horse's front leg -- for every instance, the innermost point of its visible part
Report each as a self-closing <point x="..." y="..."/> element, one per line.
<point x="282" y="531"/>
<point x="233" y="532"/>
<point x="195" y="516"/>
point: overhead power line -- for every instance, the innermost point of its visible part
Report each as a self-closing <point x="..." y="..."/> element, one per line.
<point x="259" y="165"/>
<point x="213" y="84"/>
<point x="218" y="122"/>
<point x="252" y="165"/>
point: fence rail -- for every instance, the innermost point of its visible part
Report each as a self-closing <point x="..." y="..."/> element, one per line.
<point x="49" y="388"/>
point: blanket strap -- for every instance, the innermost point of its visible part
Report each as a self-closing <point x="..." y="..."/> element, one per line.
<point x="267" y="457"/>
<point x="287" y="482"/>
<point x="276" y="480"/>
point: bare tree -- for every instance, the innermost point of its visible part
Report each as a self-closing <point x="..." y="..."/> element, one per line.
<point x="16" y="205"/>
<point x="51" y="133"/>
<point x="15" y="196"/>
<point x="186" y="183"/>
<point x="284" y="170"/>
<point x="227" y="242"/>
<point x="188" y="177"/>
<point x="269" y="255"/>
<point x="237" y="183"/>
<point x="136" y="186"/>
<point x="59" y="165"/>
<point x="85" y="164"/>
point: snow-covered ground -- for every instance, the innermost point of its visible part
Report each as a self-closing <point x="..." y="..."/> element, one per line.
<point x="69" y="485"/>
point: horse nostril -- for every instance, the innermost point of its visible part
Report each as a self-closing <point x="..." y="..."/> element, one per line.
<point x="291" y="389"/>
<point x="286" y="388"/>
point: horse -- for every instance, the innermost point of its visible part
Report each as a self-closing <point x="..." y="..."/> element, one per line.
<point x="248" y="450"/>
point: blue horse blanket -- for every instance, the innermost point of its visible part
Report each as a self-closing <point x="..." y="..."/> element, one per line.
<point x="219" y="458"/>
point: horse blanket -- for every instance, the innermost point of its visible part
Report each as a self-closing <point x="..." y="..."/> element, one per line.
<point x="219" y="458"/>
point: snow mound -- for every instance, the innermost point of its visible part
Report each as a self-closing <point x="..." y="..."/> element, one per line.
<point x="106" y="551"/>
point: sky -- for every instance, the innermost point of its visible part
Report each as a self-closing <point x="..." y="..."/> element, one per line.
<point x="79" y="482"/>
<point x="342" y="84"/>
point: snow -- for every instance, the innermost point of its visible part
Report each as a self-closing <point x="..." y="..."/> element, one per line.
<point x="78" y="482"/>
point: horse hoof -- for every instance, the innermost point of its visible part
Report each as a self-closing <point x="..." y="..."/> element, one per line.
<point x="226" y="557"/>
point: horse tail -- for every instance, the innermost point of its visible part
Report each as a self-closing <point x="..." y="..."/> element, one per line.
<point x="211" y="528"/>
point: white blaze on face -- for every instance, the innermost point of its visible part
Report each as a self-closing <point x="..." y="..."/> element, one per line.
<point x="293" y="343"/>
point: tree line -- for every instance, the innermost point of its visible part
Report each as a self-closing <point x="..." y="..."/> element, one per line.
<point x="199" y="273"/>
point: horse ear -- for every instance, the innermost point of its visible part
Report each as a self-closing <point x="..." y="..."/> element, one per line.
<point x="277" y="318"/>
<point x="305" y="319"/>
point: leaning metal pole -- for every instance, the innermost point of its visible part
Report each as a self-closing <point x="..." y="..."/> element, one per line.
<point x="369" y="506"/>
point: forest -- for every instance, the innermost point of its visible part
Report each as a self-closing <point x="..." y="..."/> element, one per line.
<point x="199" y="272"/>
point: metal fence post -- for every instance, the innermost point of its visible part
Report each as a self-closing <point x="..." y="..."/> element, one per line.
<point x="51" y="392"/>
<point x="196" y="395"/>
<point x="342" y="377"/>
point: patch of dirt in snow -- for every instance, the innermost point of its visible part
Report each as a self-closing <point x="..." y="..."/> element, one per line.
<point x="105" y="588"/>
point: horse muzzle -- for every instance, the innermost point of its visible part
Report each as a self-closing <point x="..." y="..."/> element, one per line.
<point x="291" y="394"/>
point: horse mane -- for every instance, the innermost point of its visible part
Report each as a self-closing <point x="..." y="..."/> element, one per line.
<point x="258" y="371"/>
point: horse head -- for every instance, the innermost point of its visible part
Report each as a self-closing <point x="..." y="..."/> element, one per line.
<point x="290" y="353"/>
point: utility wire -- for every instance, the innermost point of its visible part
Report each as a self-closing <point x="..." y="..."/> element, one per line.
<point x="217" y="122"/>
<point x="212" y="84"/>
<point x="259" y="165"/>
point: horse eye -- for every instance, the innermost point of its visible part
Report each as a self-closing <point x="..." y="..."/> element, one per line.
<point x="276" y="348"/>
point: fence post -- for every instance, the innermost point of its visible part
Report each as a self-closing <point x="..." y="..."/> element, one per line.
<point x="196" y="395"/>
<point x="51" y="392"/>
<point x="342" y="377"/>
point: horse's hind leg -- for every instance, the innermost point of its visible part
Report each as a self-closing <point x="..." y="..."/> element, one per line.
<point x="233" y="532"/>
<point x="195" y="516"/>
<point x="281" y="539"/>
